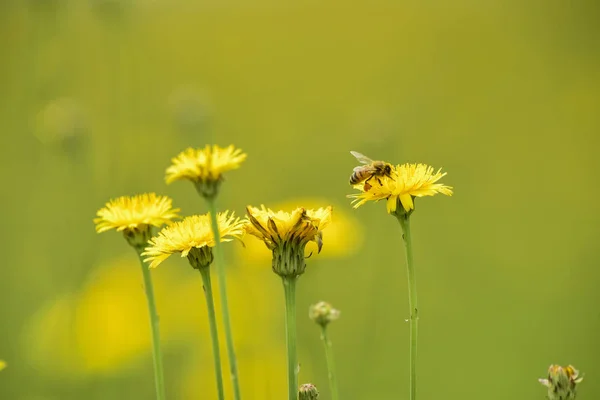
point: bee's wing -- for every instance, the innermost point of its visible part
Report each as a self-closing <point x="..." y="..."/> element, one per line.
<point x="361" y="157"/>
<point x="363" y="168"/>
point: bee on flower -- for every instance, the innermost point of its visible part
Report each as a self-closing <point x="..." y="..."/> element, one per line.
<point x="370" y="169"/>
<point x="399" y="185"/>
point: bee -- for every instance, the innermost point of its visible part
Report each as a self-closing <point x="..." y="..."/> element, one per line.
<point x="368" y="171"/>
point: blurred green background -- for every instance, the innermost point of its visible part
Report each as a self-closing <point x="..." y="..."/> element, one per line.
<point x="96" y="96"/>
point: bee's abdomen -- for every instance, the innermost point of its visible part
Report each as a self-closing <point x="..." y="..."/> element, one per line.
<point x="355" y="178"/>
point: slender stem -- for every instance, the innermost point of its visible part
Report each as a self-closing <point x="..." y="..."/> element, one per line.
<point x="156" y="352"/>
<point x="212" y="321"/>
<point x="412" y="302"/>
<point x="220" y="266"/>
<point x="330" y="363"/>
<point x="289" y="289"/>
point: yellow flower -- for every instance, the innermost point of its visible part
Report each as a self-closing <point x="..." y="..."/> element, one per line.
<point x="191" y="233"/>
<point x="135" y="213"/>
<point x="204" y="165"/>
<point x="287" y="234"/>
<point x="406" y="181"/>
<point x="275" y="228"/>
<point x="344" y="234"/>
<point x="2" y="364"/>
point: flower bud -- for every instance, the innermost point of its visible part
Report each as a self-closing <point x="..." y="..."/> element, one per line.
<point x="323" y="313"/>
<point x="561" y="382"/>
<point x="308" y="391"/>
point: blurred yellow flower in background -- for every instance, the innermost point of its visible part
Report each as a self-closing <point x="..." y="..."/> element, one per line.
<point x="407" y="181"/>
<point x="49" y="340"/>
<point x="103" y="328"/>
<point x="344" y="236"/>
<point x="2" y="364"/>
<point x="192" y="232"/>
<point x="207" y="164"/>
<point x="135" y="212"/>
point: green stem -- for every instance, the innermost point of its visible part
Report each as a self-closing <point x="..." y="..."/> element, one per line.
<point x="330" y="363"/>
<point x="412" y="302"/>
<point x="212" y="321"/>
<point x="156" y="352"/>
<point x="289" y="289"/>
<point x="220" y="266"/>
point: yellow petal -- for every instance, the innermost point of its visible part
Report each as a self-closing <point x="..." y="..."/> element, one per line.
<point x="391" y="204"/>
<point x="407" y="202"/>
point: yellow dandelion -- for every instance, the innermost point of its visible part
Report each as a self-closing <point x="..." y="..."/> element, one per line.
<point x="406" y="181"/>
<point x="191" y="233"/>
<point x="275" y="228"/>
<point x="286" y="234"/>
<point x="135" y="213"/>
<point x="204" y="165"/>
<point x="344" y="234"/>
<point x="2" y="364"/>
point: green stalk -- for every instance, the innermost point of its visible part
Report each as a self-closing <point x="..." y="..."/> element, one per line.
<point x="289" y="288"/>
<point x="220" y="266"/>
<point x="412" y="302"/>
<point x="330" y="363"/>
<point x="212" y="321"/>
<point x="156" y="352"/>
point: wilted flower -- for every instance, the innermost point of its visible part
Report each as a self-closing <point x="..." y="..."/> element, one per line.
<point x="344" y="234"/>
<point x="135" y="215"/>
<point x="286" y="234"/>
<point x="561" y="382"/>
<point x="406" y="182"/>
<point x="205" y="167"/>
<point x="193" y="238"/>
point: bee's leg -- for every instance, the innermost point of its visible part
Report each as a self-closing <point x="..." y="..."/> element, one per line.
<point x="379" y="181"/>
<point x="367" y="186"/>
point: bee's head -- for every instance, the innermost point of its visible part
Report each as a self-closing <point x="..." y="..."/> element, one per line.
<point x="387" y="169"/>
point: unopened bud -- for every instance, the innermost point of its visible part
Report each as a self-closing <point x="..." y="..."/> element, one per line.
<point x="323" y="313"/>
<point x="561" y="382"/>
<point x="308" y="391"/>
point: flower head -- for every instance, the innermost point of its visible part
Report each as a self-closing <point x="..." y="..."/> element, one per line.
<point x="2" y="364"/>
<point x="135" y="215"/>
<point x="561" y="382"/>
<point x="323" y="313"/>
<point x="344" y="234"/>
<point x="191" y="235"/>
<point x="286" y="234"/>
<point x="406" y="182"/>
<point x="205" y="167"/>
